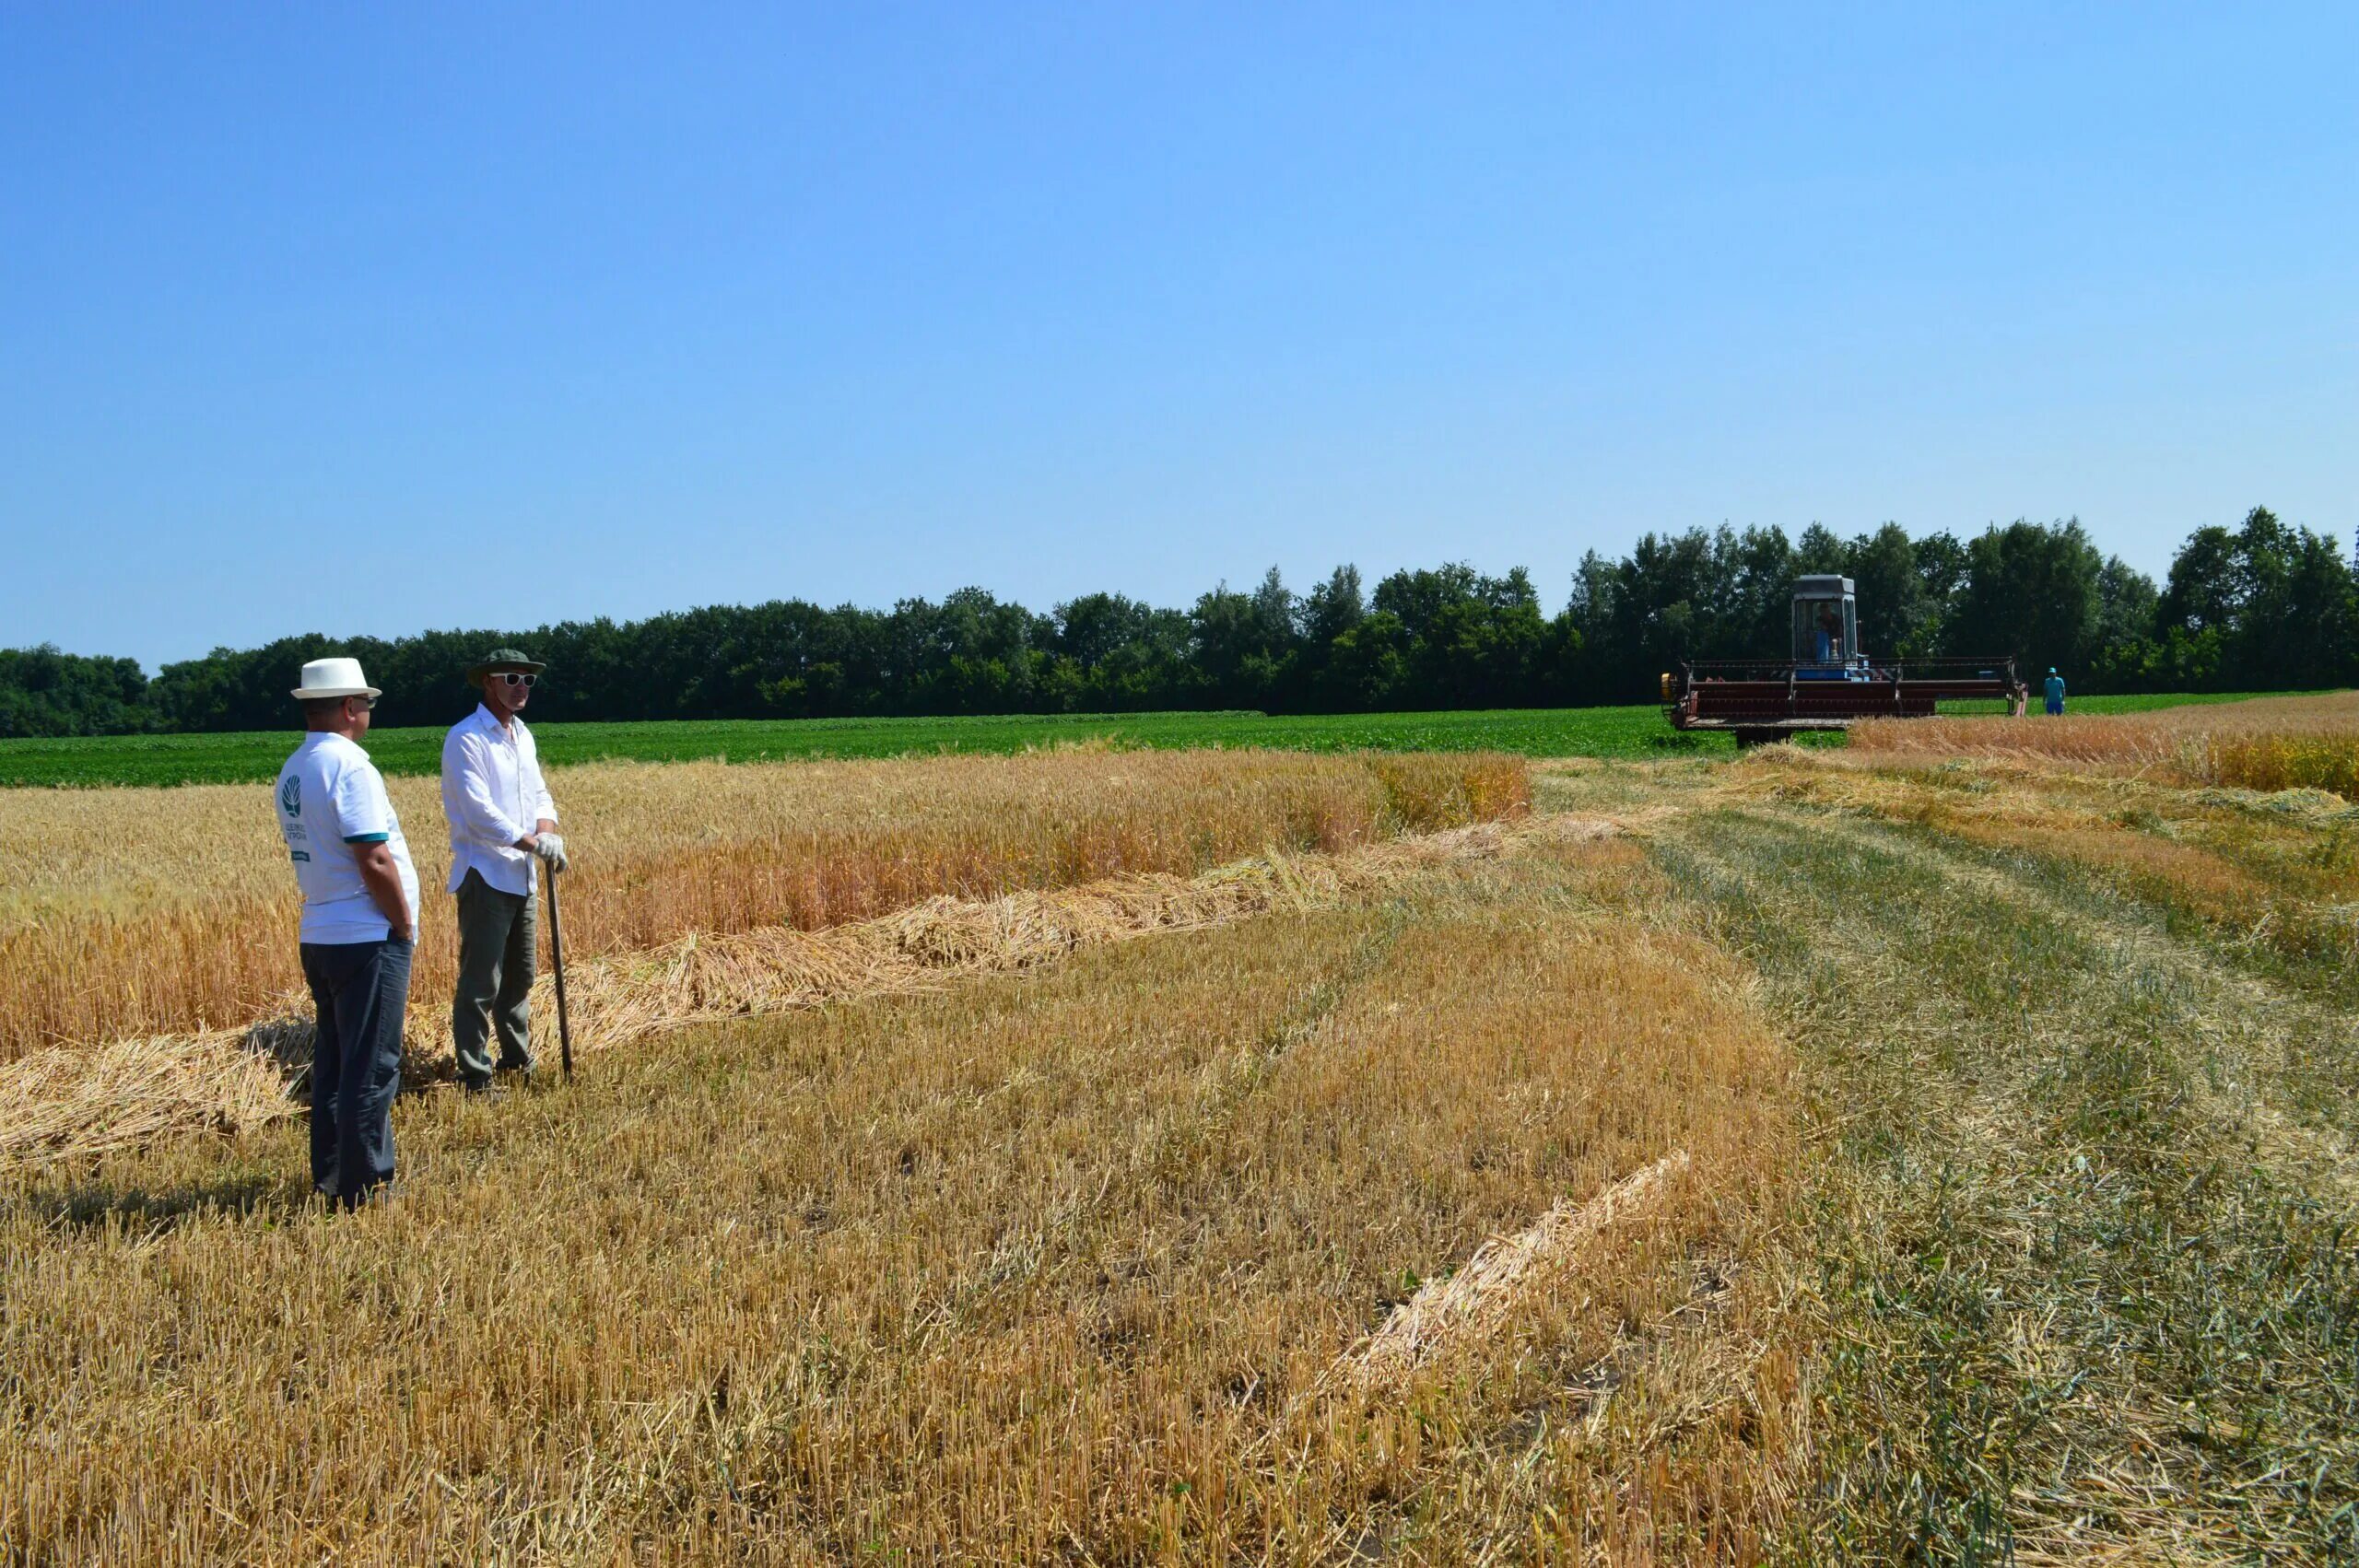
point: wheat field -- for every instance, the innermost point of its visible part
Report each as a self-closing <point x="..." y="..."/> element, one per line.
<point x="135" y="912"/>
<point x="2270" y="743"/>
<point x="1899" y="1154"/>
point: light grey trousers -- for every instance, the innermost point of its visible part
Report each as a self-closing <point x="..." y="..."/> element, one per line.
<point x="496" y="960"/>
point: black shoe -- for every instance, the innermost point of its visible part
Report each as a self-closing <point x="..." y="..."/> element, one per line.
<point x="483" y="1089"/>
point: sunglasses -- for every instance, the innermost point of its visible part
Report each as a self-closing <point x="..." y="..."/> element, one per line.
<point x="368" y="703"/>
<point x="513" y="679"/>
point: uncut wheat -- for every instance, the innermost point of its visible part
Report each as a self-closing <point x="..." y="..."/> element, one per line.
<point x="145" y="911"/>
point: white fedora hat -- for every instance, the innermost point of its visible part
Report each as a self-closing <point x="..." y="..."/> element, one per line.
<point x="334" y="677"/>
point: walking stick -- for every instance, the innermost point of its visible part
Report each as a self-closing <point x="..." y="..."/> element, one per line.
<point x="556" y="958"/>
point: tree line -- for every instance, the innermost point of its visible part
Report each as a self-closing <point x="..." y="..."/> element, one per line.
<point x="2263" y="606"/>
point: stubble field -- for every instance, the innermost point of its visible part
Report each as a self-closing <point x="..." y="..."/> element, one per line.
<point x="1935" y="1149"/>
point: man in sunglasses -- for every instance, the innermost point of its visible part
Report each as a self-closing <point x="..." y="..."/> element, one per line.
<point x="502" y="824"/>
<point x="359" y="928"/>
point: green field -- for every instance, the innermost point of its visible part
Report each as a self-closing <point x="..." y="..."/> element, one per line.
<point x="1637" y="731"/>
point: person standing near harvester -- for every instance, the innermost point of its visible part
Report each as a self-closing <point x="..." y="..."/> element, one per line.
<point x="2054" y="691"/>
<point x="503" y="821"/>
<point x="360" y="928"/>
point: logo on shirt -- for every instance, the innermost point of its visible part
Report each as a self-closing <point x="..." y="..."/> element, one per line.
<point x="291" y="795"/>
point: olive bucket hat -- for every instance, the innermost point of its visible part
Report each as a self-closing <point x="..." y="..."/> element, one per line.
<point x="503" y="659"/>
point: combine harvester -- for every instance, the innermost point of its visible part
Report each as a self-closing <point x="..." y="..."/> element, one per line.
<point x="1828" y="684"/>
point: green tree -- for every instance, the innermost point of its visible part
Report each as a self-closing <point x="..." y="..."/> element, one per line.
<point x="2204" y="587"/>
<point x="2263" y="606"/>
<point x="1332" y="608"/>
<point x="2031" y="590"/>
<point x="1244" y="642"/>
<point x="1892" y="597"/>
<point x="44" y="692"/>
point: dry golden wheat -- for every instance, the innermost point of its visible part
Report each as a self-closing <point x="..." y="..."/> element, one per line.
<point x="127" y="913"/>
<point x="2264" y="743"/>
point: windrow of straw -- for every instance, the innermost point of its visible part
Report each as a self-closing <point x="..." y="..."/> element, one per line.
<point x="128" y="913"/>
<point x="1478" y="1300"/>
<point x="69" y="1103"/>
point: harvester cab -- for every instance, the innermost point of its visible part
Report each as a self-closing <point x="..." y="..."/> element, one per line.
<point x="1826" y="630"/>
<point x="1830" y="684"/>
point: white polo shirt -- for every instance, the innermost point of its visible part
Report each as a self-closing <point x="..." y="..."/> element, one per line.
<point x="330" y="798"/>
<point x="492" y="795"/>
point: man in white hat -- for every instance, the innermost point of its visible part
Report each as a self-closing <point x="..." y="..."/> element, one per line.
<point x="360" y="928"/>
<point x="502" y="825"/>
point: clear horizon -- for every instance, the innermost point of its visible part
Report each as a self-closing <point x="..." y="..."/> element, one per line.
<point x="373" y="324"/>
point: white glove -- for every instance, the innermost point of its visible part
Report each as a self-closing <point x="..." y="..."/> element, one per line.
<point x="551" y="850"/>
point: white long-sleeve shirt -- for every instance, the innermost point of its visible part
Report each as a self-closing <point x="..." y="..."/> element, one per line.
<point x="493" y="794"/>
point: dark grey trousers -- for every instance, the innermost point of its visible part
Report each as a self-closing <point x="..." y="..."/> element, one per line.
<point x="361" y="992"/>
<point x="496" y="960"/>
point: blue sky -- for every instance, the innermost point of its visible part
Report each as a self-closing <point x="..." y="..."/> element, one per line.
<point x="367" y="319"/>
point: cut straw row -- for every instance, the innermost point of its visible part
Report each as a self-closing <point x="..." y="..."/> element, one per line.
<point x="1476" y="1302"/>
